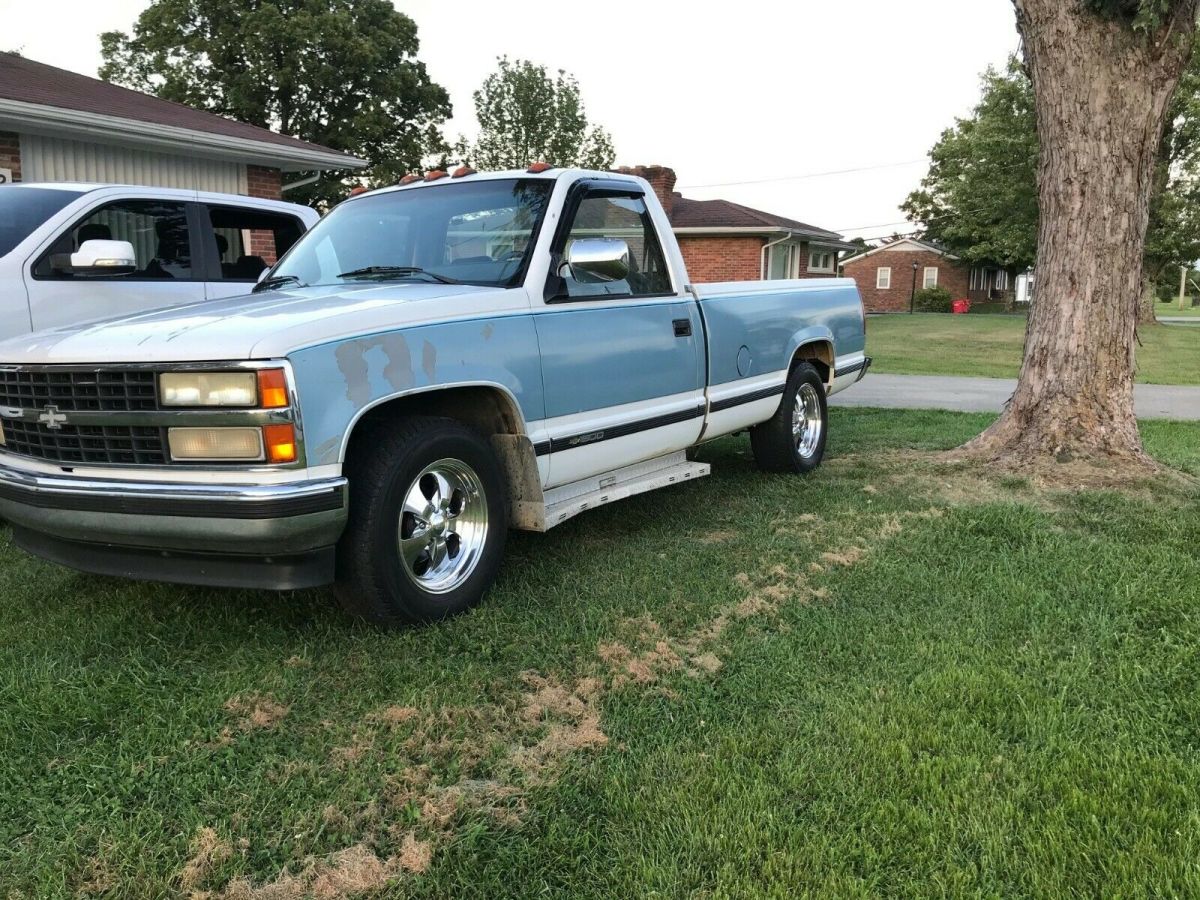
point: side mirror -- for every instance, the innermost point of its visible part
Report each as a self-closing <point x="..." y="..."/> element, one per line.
<point x="262" y="276"/>
<point x="98" y="258"/>
<point x="605" y="259"/>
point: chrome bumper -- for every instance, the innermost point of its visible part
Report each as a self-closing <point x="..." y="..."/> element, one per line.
<point x="241" y="520"/>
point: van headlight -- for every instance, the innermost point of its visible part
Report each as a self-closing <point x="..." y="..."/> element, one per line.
<point x="208" y="389"/>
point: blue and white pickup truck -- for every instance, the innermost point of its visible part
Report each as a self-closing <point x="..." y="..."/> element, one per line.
<point x="430" y="365"/>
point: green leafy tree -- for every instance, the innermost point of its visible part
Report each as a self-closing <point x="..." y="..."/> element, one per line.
<point x="1104" y="73"/>
<point x="525" y="116"/>
<point x="980" y="195"/>
<point x="342" y="73"/>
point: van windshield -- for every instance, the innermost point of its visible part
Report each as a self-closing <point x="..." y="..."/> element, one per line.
<point x="23" y="209"/>
<point x="478" y="232"/>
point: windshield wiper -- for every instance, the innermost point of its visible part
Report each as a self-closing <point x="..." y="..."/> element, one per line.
<point x="275" y="281"/>
<point x="368" y="271"/>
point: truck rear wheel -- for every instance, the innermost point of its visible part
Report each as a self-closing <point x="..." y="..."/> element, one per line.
<point x="793" y="440"/>
<point x="427" y="522"/>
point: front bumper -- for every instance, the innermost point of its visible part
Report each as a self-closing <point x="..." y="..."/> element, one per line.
<point x="266" y="536"/>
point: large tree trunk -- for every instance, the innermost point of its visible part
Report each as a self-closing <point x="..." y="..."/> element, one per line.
<point x="1101" y="94"/>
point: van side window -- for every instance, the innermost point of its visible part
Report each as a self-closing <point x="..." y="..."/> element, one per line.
<point x="249" y="240"/>
<point x="157" y="229"/>
<point x="625" y="218"/>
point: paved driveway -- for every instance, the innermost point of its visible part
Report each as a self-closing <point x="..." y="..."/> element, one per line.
<point x="1152" y="401"/>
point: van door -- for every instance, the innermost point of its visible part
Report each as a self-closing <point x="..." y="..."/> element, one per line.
<point x="163" y="241"/>
<point x="622" y="361"/>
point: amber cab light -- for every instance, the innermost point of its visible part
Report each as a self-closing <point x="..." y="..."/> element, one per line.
<point x="272" y="389"/>
<point x="462" y="172"/>
<point x="539" y="167"/>
<point x="280" y="443"/>
<point x="409" y="179"/>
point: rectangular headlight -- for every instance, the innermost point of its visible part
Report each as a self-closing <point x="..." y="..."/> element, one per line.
<point x="208" y="389"/>
<point x="215" y="444"/>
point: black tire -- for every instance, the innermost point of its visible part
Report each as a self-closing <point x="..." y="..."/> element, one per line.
<point x="388" y="461"/>
<point x="775" y="444"/>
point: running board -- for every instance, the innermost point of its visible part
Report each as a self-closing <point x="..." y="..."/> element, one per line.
<point x="561" y="503"/>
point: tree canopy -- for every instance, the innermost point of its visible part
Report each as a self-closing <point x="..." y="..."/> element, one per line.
<point x="342" y="73"/>
<point x="526" y="115"/>
<point x="980" y="196"/>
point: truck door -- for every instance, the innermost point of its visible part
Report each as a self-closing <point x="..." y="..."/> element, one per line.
<point x="161" y="232"/>
<point x="622" y="361"/>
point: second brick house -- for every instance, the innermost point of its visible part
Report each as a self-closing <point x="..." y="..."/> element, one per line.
<point x="890" y="274"/>
<point x="725" y="241"/>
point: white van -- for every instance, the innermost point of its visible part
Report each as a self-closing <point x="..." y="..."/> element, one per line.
<point x="72" y="253"/>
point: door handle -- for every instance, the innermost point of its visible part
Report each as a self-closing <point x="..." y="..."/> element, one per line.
<point x="683" y="327"/>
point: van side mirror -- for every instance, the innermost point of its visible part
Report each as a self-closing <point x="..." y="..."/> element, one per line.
<point x="98" y="258"/>
<point x="605" y="259"/>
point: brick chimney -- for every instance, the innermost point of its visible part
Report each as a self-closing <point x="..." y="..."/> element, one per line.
<point x="661" y="179"/>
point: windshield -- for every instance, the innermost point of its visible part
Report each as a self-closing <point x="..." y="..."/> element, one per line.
<point x="22" y="209"/>
<point x="475" y="232"/>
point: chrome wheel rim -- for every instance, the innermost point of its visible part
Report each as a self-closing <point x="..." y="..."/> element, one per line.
<point x="807" y="424"/>
<point x="443" y="526"/>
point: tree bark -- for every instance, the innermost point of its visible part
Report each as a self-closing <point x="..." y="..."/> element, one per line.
<point x="1101" y="93"/>
<point x="1148" y="308"/>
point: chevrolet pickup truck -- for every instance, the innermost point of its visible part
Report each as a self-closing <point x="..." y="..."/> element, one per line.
<point x="430" y="365"/>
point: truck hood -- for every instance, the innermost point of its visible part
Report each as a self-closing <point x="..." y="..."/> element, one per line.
<point x="259" y="326"/>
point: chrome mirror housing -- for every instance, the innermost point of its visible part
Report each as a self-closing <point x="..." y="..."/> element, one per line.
<point x="606" y="259"/>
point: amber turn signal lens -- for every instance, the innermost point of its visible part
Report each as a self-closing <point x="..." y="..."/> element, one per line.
<point x="272" y="389"/>
<point x="280" y="443"/>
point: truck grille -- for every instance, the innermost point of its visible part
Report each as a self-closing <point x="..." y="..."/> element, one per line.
<point x="76" y="390"/>
<point x="94" y="444"/>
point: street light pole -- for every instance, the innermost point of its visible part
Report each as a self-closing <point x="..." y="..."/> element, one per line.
<point x="912" y="298"/>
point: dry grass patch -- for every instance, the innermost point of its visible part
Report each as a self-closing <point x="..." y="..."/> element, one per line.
<point x="256" y="711"/>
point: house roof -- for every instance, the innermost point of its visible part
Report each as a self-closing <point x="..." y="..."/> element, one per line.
<point x="687" y="213"/>
<point x="904" y="245"/>
<point x="27" y="82"/>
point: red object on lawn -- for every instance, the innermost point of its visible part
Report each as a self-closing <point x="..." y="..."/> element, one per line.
<point x="958" y="307"/>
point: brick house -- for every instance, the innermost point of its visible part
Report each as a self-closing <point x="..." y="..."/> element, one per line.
<point x="57" y="125"/>
<point x="724" y="241"/>
<point x="888" y="276"/>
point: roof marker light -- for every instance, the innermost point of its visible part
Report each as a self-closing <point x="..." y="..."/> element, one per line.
<point x="462" y="171"/>
<point x="409" y="179"/>
<point x="539" y="167"/>
<point x="435" y="175"/>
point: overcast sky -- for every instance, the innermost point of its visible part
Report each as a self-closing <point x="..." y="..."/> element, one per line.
<point x="731" y="92"/>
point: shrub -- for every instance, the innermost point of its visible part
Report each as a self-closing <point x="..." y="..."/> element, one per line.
<point x="932" y="299"/>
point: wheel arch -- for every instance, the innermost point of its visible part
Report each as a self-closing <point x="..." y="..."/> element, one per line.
<point x="488" y="407"/>
<point x="820" y="353"/>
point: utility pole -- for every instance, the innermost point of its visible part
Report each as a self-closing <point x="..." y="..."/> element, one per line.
<point x="1183" y="273"/>
<point x="912" y="298"/>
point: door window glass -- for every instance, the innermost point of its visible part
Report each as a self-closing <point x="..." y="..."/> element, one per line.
<point x="248" y="241"/>
<point x="626" y="219"/>
<point x="157" y="229"/>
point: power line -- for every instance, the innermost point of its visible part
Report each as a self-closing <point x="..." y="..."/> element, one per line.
<point x="895" y="165"/>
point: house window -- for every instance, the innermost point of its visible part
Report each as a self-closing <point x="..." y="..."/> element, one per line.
<point x="931" y="276"/>
<point x="821" y="261"/>
<point x="883" y="278"/>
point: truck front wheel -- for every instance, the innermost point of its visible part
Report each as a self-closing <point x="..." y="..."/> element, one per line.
<point x="793" y="440"/>
<point x="427" y="522"/>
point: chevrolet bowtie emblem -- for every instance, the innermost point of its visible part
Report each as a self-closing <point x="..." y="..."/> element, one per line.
<point x="52" y="418"/>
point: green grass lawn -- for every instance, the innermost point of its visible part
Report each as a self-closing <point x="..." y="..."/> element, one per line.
<point x="1173" y="309"/>
<point x="990" y="347"/>
<point x="897" y="677"/>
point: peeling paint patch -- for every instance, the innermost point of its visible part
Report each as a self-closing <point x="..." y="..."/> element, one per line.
<point x="429" y="361"/>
